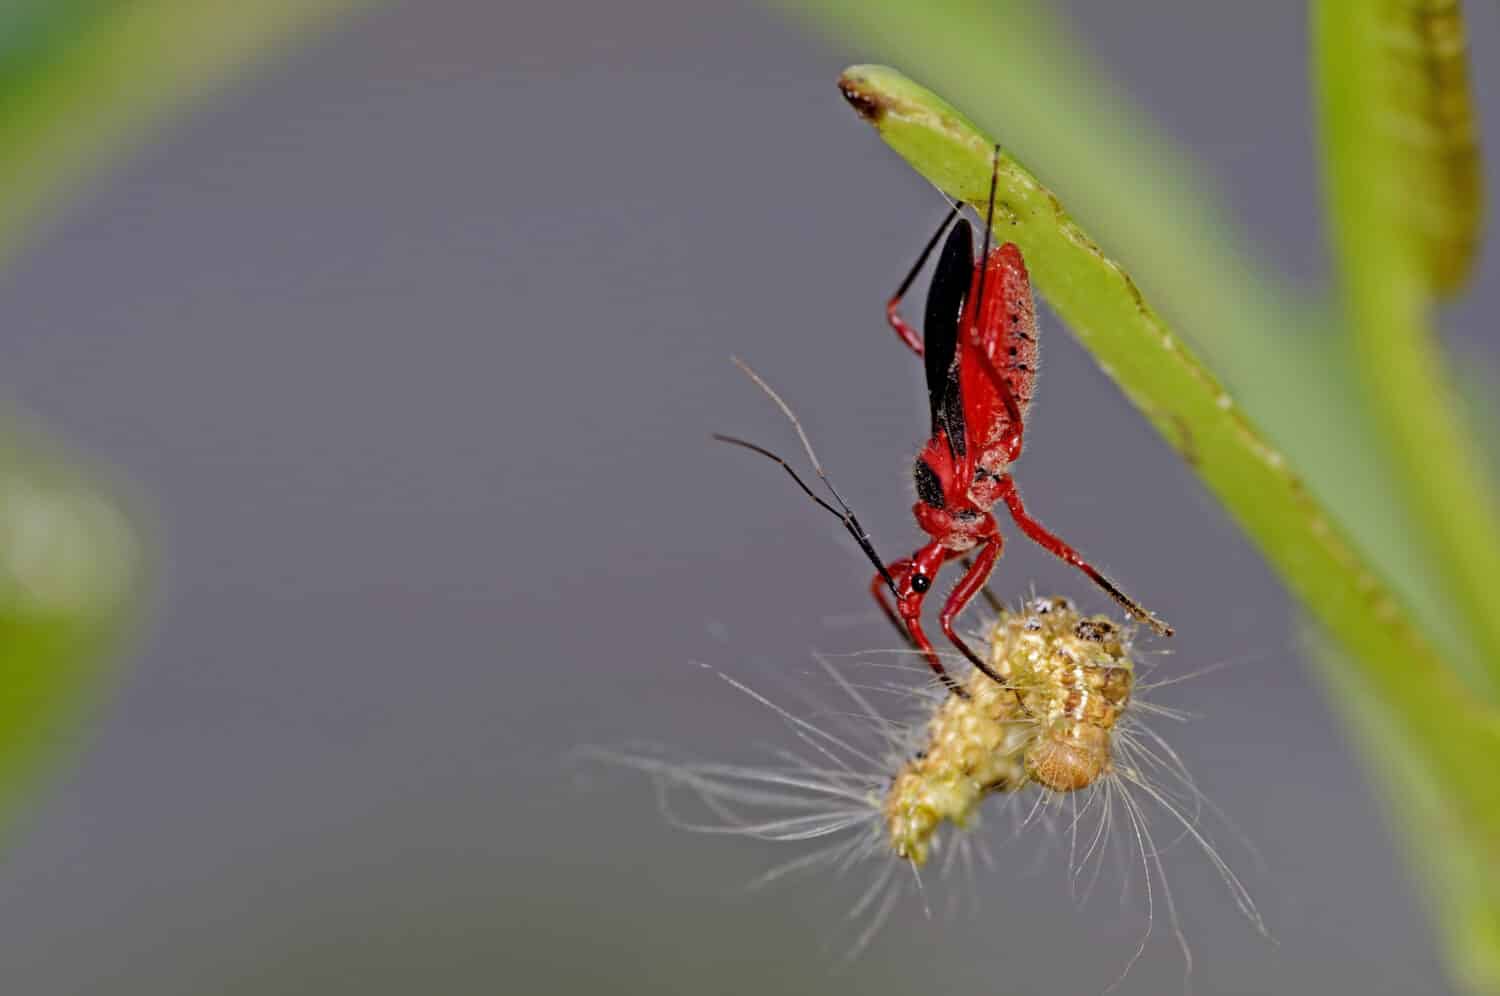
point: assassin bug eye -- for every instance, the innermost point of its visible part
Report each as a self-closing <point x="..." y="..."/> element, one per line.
<point x="920" y="583"/>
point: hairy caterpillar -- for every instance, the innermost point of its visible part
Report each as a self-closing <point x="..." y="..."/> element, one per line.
<point x="1063" y="729"/>
<point x="1068" y="679"/>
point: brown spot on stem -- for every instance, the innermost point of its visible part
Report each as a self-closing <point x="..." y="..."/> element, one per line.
<point x="1185" y="443"/>
<point x="866" y="104"/>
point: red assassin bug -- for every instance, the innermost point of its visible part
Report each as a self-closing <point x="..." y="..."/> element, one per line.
<point x="979" y="349"/>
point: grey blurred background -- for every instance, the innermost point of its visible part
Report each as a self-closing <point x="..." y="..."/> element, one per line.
<point x="413" y="345"/>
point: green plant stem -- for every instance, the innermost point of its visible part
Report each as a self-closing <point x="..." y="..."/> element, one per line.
<point x="1298" y="536"/>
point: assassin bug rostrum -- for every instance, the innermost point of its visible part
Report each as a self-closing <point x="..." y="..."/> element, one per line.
<point x="978" y="345"/>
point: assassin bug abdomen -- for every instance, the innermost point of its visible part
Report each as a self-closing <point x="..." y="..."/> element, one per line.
<point x="978" y="345"/>
<point x="974" y="435"/>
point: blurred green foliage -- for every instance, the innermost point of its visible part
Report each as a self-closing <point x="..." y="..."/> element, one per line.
<point x="80" y="80"/>
<point x="1328" y="381"/>
<point x="69" y="572"/>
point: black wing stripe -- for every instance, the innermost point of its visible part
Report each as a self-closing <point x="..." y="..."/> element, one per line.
<point x="945" y="304"/>
<point x="929" y="488"/>
<point x="952" y="415"/>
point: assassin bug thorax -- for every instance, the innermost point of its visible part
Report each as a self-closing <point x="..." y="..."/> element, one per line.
<point x="978" y="344"/>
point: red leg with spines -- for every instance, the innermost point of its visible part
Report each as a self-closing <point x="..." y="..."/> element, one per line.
<point x="1055" y="545"/>
<point x="968" y="586"/>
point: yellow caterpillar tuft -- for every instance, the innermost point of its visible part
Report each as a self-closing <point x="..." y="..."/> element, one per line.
<point x="1067" y="679"/>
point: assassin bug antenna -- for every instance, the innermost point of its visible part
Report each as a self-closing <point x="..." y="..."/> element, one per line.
<point x="848" y="518"/>
<point x="843" y="513"/>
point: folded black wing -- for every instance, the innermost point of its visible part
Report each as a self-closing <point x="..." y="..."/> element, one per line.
<point x="945" y="305"/>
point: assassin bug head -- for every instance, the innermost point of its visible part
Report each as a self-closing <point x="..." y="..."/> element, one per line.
<point x="843" y="513"/>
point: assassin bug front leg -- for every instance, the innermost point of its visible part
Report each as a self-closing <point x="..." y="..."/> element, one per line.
<point x="979" y="349"/>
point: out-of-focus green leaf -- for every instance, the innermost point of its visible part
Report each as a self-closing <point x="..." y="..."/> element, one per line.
<point x="81" y="80"/>
<point x="1461" y="880"/>
<point x="1403" y="190"/>
<point x="1403" y="179"/>
<point x="1402" y="135"/>
<point x="69" y="573"/>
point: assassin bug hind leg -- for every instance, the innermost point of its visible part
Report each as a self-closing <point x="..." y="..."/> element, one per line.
<point x="1054" y="545"/>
